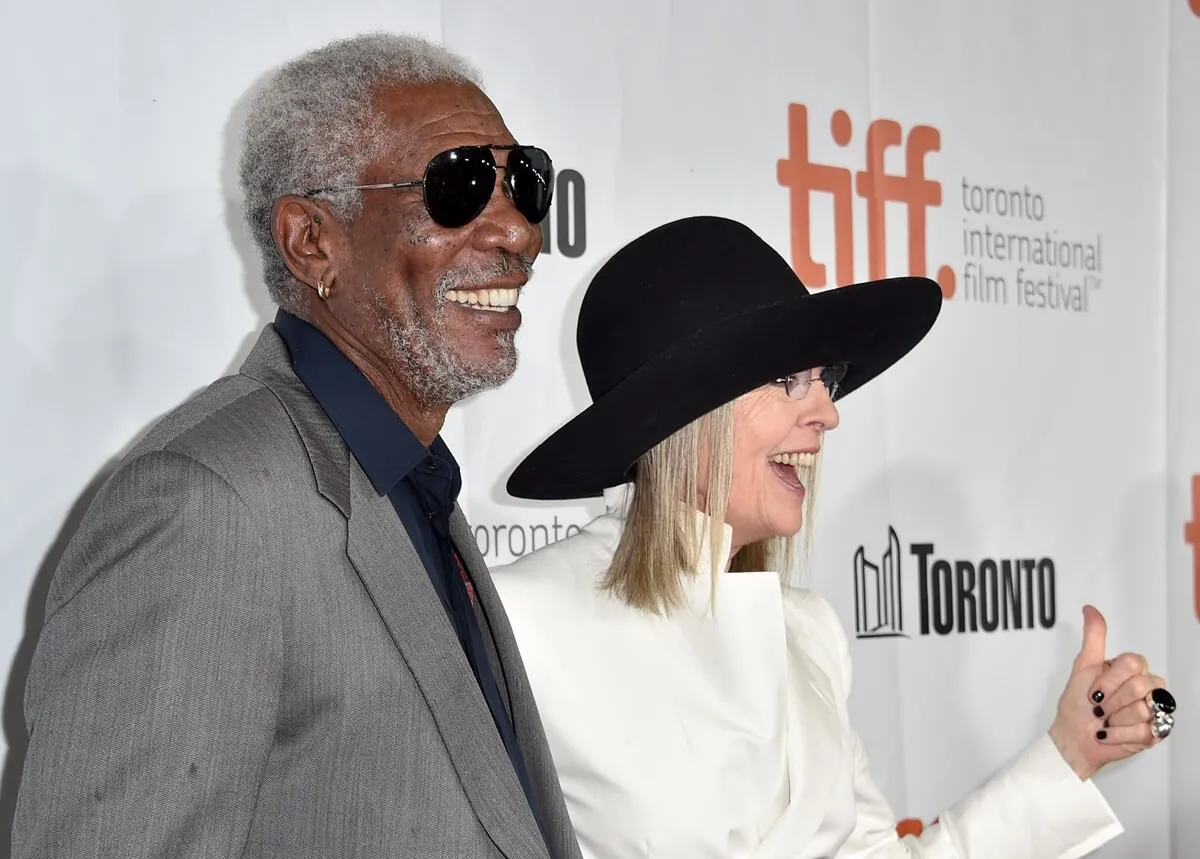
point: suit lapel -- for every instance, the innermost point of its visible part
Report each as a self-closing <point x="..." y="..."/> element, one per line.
<point x="391" y="571"/>
<point x="393" y="575"/>
<point x="526" y="721"/>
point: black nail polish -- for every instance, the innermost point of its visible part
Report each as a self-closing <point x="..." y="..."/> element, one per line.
<point x="1106" y="723"/>
<point x="1097" y="696"/>
<point x="1098" y="711"/>
<point x="1100" y="735"/>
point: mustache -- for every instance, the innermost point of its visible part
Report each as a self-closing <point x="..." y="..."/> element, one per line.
<point x="477" y="276"/>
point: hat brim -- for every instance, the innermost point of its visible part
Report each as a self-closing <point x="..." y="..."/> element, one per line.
<point x="867" y="326"/>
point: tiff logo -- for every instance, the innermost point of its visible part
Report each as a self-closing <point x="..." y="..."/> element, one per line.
<point x="878" y="612"/>
<point x="911" y="188"/>
<point x="1191" y="535"/>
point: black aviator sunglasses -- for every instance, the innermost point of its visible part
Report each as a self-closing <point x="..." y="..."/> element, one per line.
<point x="459" y="182"/>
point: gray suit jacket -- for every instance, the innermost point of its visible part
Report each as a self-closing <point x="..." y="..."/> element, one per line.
<point x="243" y="657"/>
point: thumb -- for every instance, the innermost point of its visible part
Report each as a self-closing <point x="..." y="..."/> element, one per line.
<point x="1095" y="630"/>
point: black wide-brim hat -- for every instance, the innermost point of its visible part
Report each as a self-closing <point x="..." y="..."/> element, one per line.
<point x="692" y="315"/>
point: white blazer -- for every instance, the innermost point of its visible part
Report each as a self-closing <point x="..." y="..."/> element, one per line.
<point x="725" y="733"/>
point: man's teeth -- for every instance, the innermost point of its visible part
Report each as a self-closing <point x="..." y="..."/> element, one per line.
<point x="797" y="460"/>
<point x="485" y="299"/>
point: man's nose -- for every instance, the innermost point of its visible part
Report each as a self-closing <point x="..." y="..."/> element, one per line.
<point x="502" y="227"/>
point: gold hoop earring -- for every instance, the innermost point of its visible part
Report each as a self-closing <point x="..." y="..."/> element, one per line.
<point x="323" y="291"/>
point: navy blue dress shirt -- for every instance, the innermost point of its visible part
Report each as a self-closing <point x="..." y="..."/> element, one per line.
<point x="422" y="484"/>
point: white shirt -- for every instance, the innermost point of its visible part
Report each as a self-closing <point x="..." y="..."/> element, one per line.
<point x="725" y="733"/>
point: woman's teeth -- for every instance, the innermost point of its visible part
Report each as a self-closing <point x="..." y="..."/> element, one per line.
<point x="798" y="460"/>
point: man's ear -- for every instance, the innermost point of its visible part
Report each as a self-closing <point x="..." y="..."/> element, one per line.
<point x="307" y="237"/>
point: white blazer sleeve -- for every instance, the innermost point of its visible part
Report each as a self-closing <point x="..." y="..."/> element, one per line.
<point x="1060" y="817"/>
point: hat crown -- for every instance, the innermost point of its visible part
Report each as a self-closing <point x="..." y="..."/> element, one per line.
<point x="671" y="284"/>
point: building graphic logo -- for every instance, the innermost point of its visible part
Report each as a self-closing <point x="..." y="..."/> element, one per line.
<point x="878" y="600"/>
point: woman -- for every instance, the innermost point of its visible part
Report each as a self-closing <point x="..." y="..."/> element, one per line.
<point x="694" y="706"/>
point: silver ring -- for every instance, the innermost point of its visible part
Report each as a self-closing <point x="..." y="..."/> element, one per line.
<point x="1161" y="726"/>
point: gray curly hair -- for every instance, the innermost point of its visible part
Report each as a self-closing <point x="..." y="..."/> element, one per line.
<point x="315" y="125"/>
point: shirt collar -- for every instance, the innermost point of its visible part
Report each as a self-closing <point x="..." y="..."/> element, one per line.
<point x="382" y="443"/>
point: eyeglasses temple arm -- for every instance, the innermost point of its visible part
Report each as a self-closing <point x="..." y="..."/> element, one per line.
<point x="414" y="184"/>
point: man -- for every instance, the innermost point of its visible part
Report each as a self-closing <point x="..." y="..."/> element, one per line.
<point x="273" y="635"/>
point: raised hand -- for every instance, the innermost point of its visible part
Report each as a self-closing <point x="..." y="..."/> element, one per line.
<point x="1109" y="707"/>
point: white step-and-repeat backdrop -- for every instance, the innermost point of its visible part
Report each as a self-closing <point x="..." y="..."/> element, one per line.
<point x="1037" y="452"/>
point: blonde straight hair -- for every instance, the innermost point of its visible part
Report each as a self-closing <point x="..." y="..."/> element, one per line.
<point x="659" y="545"/>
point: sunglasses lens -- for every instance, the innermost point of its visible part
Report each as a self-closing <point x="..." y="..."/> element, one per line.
<point x="530" y="178"/>
<point x="458" y="185"/>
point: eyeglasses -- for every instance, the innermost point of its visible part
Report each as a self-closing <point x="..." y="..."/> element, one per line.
<point x="797" y="385"/>
<point x="459" y="182"/>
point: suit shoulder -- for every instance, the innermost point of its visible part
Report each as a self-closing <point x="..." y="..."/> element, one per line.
<point x="237" y="427"/>
<point x="194" y="411"/>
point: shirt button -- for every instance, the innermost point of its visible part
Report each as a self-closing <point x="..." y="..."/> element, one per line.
<point x="431" y="466"/>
